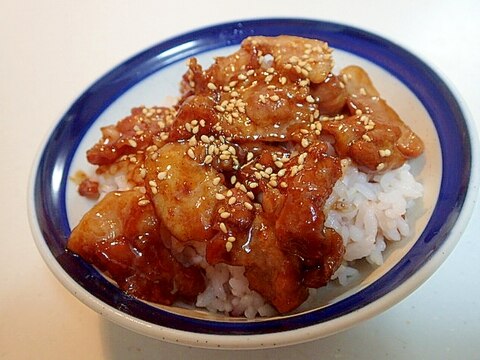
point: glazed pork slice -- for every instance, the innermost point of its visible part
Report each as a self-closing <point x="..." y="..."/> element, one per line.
<point x="373" y="136"/>
<point x="121" y="236"/>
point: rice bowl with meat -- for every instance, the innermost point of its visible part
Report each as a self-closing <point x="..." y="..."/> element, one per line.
<point x="363" y="204"/>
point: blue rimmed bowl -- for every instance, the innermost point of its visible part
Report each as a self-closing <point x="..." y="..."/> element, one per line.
<point x="417" y="93"/>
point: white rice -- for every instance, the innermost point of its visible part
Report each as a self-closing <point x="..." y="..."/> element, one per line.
<point x="367" y="211"/>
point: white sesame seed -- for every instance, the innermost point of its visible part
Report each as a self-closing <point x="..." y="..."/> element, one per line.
<point x="211" y="86"/>
<point x="283" y="184"/>
<point x="253" y="185"/>
<point x="310" y="99"/>
<point x="216" y="181"/>
<point x="231" y="239"/>
<point x="249" y="156"/>
<point x="233" y="180"/>
<point x="250" y="195"/>
<point x="248" y="205"/>
<point x="228" y="246"/>
<point x="274" y="98"/>
<point x="132" y="143"/>
<point x="162" y="175"/>
<point x="305" y="142"/>
<point x="191" y="153"/>
<point x="223" y="227"/>
<point x="232" y="200"/>
<point x="143" y="202"/>
<point x="225" y="215"/>
<point x="208" y="159"/>
<point x="219" y="196"/>
<point x="380" y="166"/>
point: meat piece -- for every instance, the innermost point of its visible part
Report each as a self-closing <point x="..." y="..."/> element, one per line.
<point x="261" y="90"/>
<point x="374" y="136"/>
<point x="299" y="224"/>
<point x="89" y="189"/>
<point x="331" y="95"/>
<point x="271" y="272"/>
<point x="133" y="133"/>
<point x="120" y="235"/>
<point x="182" y="191"/>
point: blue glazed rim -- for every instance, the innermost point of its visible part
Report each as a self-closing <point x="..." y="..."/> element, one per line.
<point x="53" y="167"/>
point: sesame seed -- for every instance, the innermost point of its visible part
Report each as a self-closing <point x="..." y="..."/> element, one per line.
<point x="223" y="227"/>
<point x="162" y="175"/>
<point x="273" y="183"/>
<point x="283" y="184"/>
<point x="152" y="183"/>
<point x="366" y="138"/>
<point x="250" y="195"/>
<point x="253" y="185"/>
<point x="232" y="200"/>
<point x="310" y="99"/>
<point x="229" y="193"/>
<point x="231" y="239"/>
<point x="233" y="180"/>
<point x="305" y="142"/>
<point x="208" y="159"/>
<point x="195" y="130"/>
<point x="154" y="190"/>
<point x="132" y="143"/>
<point x="301" y="158"/>
<point x="211" y="86"/>
<point x="225" y="215"/>
<point x="216" y="181"/>
<point x="380" y="166"/>
<point x="228" y="246"/>
<point x="191" y="153"/>
<point x="188" y="127"/>
<point x="248" y="205"/>
<point x="219" y="108"/>
<point x="143" y="202"/>
<point x="202" y="123"/>
<point x="219" y="196"/>
<point x="282" y="172"/>
<point x="249" y="156"/>
<point x="278" y="164"/>
<point x="363" y="91"/>
<point x="242" y="77"/>
<point x="274" y="98"/>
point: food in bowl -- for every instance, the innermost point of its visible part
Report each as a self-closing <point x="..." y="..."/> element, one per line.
<point x="269" y="177"/>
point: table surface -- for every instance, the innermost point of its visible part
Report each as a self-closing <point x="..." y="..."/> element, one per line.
<point x="53" y="50"/>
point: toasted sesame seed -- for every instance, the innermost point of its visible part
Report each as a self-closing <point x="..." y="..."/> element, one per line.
<point x="191" y="153"/>
<point x="274" y="98"/>
<point x="278" y="164"/>
<point x="223" y="227"/>
<point x="205" y="139"/>
<point x="228" y="246"/>
<point x="202" y="123"/>
<point x="195" y="130"/>
<point x="253" y="185"/>
<point x="211" y="86"/>
<point x="248" y="205"/>
<point x="143" y="202"/>
<point x="233" y="180"/>
<point x="366" y="137"/>
<point x="132" y="143"/>
<point x="232" y="200"/>
<point x="154" y="190"/>
<point x="250" y="195"/>
<point x="231" y="239"/>
<point x="249" y="156"/>
<point x="301" y="158"/>
<point x="216" y="181"/>
<point x="273" y="183"/>
<point x="363" y="91"/>
<point x="225" y="215"/>
<point x="229" y="193"/>
<point x="282" y="172"/>
<point x="208" y="159"/>
<point x="162" y="175"/>
<point x="380" y="166"/>
<point x="219" y="196"/>
<point x="152" y="183"/>
<point x="305" y="142"/>
<point x="283" y="184"/>
<point x="310" y="99"/>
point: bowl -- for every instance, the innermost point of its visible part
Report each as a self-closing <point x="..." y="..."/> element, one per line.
<point x="415" y="91"/>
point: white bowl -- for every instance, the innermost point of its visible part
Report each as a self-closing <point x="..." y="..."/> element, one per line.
<point x="417" y="93"/>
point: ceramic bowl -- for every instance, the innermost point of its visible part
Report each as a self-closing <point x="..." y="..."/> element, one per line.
<point x="414" y="90"/>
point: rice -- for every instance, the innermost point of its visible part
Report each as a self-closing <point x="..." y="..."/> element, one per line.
<point x="368" y="211"/>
